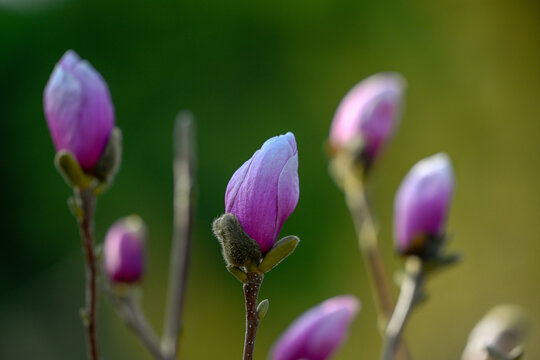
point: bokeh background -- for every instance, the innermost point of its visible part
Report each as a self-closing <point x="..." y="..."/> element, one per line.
<point x="248" y="71"/>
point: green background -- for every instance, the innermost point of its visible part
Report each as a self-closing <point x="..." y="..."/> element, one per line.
<point x="250" y="70"/>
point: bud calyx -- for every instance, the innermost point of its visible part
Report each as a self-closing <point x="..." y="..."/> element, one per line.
<point x="239" y="249"/>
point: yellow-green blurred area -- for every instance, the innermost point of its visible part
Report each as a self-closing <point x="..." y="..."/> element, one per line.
<point x="250" y="70"/>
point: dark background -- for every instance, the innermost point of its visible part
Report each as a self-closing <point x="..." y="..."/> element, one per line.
<point x="248" y="71"/>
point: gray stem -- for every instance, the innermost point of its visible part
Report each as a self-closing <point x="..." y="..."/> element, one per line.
<point x="184" y="180"/>
<point x="367" y="241"/>
<point x="129" y="309"/>
<point x="411" y="290"/>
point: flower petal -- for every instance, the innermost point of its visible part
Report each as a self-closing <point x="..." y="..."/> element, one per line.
<point x="264" y="191"/>
<point x="423" y="200"/>
<point x="78" y="109"/>
<point x="288" y="192"/>
<point x="317" y="333"/>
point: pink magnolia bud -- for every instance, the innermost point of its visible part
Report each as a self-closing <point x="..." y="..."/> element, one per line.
<point x="318" y="332"/>
<point x="78" y="109"/>
<point x="422" y="203"/>
<point x="370" y="111"/>
<point x="264" y="191"/>
<point x="124" y="250"/>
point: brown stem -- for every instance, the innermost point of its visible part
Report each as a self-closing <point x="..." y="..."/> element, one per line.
<point x="184" y="183"/>
<point x="251" y="294"/>
<point x="87" y="201"/>
<point x="411" y="289"/>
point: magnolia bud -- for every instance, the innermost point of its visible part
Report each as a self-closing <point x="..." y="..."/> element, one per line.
<point x="318" y="332"/>
<point x="78" y="109"/>
<point x="421" y="205"/>
<point x="499" y="335"/>
<point x="367" y="115"/>
<point x="264" y="191"/>
<point x="124" y="250"/>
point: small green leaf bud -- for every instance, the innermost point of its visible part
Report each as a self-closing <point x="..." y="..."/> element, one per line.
<point x="238" y="273"/>
<point x="262" y="308"/>
<point x="278" y="252"/>
<point x="75" y="207"/>
<point x="70" y="170"/>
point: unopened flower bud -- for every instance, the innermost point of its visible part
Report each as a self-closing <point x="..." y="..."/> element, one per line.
<point x="499" y="335"/>
<point x="124" y="250"/>
<point x="422" y="203"/>
<point x="78" y="109"/>
<point x="264" y="191"/>
<point x="367" y="115"/>
<point x="318" y="332"/>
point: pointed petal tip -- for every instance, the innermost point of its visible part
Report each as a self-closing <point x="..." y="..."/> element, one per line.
<point x="69" y="60"/>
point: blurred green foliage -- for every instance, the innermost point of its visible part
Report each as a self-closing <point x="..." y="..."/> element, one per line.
<point x="251" y="70"/>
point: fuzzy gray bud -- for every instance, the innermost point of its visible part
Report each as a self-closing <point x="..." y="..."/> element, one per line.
<point x="238" y="248"/>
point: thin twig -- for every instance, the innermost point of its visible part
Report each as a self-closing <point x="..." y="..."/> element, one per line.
<point x="128" y="307"/>
<point x="251" y="294"/>
<point x="87" y="201"/>
<point x="411" y="289"/>
<point x="367" y="241"/>
<point x="184" y="180"/>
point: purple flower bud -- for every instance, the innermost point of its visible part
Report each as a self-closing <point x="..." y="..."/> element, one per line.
<point x="264" y="191"/>
<point x="369" y="111"/>
<point x="78" y="109"/>
<point x="318" y="332"/>
<point x="124" y="250"/>
<point x="422" y="203"/>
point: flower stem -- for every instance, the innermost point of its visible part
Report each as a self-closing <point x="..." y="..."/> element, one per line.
<point x="87" y="201"/>
<point x="357" y="203"/>
<point x="367" y="241"/>
<point x="129" y="309"/>
<point x="184" y="182"/>
<point x="411" y="291"/>
<point x="251" y="294"/>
